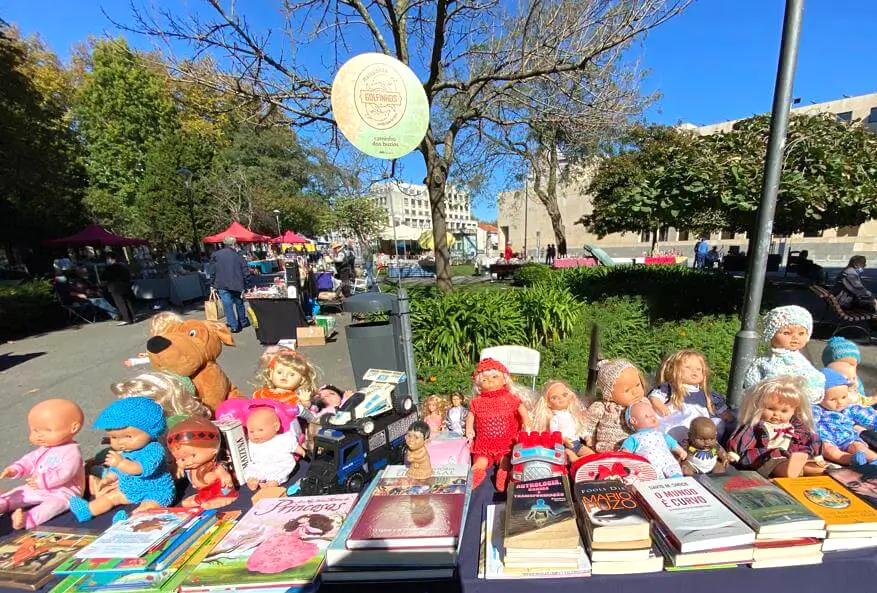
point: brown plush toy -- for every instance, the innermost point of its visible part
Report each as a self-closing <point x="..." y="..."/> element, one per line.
<point x="705" y="454"/>
<point x="190" y="348"/>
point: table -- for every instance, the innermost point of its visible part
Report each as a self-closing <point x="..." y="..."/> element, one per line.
<point x="277" y="319"/>
<point x="265" y="266"/>
<point x="177" y="288"/>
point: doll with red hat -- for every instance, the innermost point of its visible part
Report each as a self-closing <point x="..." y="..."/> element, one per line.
<point x="496" y="416"/>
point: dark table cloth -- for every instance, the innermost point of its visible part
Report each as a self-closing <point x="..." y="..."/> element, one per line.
<point x="277" y="319"/>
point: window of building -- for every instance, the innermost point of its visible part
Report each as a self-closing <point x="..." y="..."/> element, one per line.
<point x="682" y="236"/>
<point x="872" y="117"/>
<point x="663" y="234"/>
<point x="727" y="235"/>
<point x="813" y="233"/>
<point x="846" y="116"/>
<point x="645" y="236"/>
<point x="848" y="231"/>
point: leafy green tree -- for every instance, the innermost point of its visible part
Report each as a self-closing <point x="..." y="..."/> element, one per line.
<point x="359" y="218"/>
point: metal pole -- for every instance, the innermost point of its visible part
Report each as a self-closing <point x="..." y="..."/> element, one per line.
<point x="407" y="340"/>
<point x="746" y="341"/>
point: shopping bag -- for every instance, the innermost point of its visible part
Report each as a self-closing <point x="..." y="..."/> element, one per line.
<point x="213" y="309"/>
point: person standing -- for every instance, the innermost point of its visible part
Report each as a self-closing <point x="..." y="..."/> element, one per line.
<point x="343" y="266"/>
<point x="700" y="251"/>
<point x="228" y="273"/>
<point x="508" y="252"/>
<point x="117" y="279"/>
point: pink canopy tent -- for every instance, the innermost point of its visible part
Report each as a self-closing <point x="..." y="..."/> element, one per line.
<point x="289" y="237"/>
<point x="96" y="236"/>
<point x="241" y="233"/>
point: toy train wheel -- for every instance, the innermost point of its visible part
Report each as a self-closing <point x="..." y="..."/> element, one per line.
<point x="365" y="427"/>
<point x="403" y="405"/>
<point x="354" y="483"/>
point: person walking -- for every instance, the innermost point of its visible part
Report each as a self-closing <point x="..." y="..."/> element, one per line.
<point x="228" y="273"/>
<point x="117" y="279"/>
<point x="700" y="251"/>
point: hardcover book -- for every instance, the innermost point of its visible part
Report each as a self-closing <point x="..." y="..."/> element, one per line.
<point x="693" y="519"/>
<point x="611" y="513"/>
<point x="539" y="515"/>
<point x="28" y="558"/>
<point x="765" y="507"/>
<point x="841" y="509"/>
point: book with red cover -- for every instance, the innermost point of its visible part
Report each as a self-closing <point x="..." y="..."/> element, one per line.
<point x="422" y="521"/>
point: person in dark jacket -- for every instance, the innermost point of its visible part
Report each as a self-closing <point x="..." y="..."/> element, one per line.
<point x="117" y="279"/>
<point x="228" y="273"/>
<point x="851" y="293"/>
<point x="344" y="262"/>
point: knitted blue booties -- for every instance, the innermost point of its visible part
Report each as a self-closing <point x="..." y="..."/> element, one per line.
<point x="119" y="516"/>
<point x="80" y="510"/>
<point x="859" y="458"/>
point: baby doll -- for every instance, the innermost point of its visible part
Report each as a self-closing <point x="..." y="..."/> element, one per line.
<point x="621" y="385"/>
<point x="416" y="455"/>
<point x="53" y="471"/>
<point x="683" y="394"/>
<point x="775" y="433"/>
<point x="844" y="355"/>
<point x="496" y="416"/>
<point x="174" y="393"/>
<point x="788" y="330"/>
<point x="434" y="408"/>
<point x="837" y="420"/>
<point x="455" y="415"/>
<point x="329" y="398"/>
<point x="286" y="377"/>
<point x="649" y="442"/>
<point x="271" y="451"/>
<point x="195" y="443"/>
<point x="705" y="454"/>
<point x="560" y="410"/>
<point x="136" y="462"/>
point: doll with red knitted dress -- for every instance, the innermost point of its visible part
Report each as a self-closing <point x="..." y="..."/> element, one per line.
<point x="621" y="384"/>
<point x="496" y="416"/>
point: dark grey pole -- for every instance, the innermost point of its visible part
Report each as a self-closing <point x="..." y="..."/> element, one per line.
<point x="746" y="341"/>
<point x="407" y="340"/>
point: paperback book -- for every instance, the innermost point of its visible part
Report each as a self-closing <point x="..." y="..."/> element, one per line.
<point x="860" y="480"/>
<point x="136" y="535"/>
<point x="611" y="513"/>
<point x="27" y="559"/>
<point x="841" y="509"/>
<point x="539" y="515"/>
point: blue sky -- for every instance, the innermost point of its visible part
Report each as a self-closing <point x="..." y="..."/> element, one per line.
<point x="716" y="61"/>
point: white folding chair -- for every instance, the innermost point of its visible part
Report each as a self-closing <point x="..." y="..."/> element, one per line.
<point x="519" y="360"/>
<point x="359" y="285"/>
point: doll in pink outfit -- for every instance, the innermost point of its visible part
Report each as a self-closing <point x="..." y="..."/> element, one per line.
<point x="53" y="472"/>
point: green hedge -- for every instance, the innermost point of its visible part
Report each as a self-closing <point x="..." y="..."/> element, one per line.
<point x="27" y="309"/>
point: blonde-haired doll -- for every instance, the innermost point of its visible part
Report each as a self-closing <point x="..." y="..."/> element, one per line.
<point x="433" y="411"/>
<point x="683" y="394"/>
<point x="775" y="436"/>
<point x="174" y="393"/>
<point x="559" y="409"/>
<point x="286" y="376"/>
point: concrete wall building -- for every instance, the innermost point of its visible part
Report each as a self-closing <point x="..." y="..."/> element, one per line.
<point x="519" y="209"/>
<point x="409" y="203"/>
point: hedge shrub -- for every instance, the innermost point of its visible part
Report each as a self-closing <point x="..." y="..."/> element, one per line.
<point x="27" y="309"/>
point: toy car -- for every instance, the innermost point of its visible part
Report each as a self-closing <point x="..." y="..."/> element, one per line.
<point x="538" y="455"/>
<point x="360" y="409"/>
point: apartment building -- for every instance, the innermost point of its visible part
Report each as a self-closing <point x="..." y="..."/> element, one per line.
<point x="409" y="204"/>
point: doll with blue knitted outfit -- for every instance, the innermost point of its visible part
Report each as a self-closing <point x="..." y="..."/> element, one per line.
<point x="136" y="471"/>
<point x="787" y="330"/>
<point x="839" y="422"/>
<point x="650" y="442"/>
<point x="844" y="356"/>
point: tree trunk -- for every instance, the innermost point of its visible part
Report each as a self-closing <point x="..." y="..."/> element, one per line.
<point x="654" y="241"/>
<point x="436" y="179"/>
<point x="548" y="195"/>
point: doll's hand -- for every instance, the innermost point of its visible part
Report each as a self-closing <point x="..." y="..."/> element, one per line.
<point x="180" y="473"/>
<point x="225" y="480"/>
<point x="9" y="472"/>
<point x="113" y="459"/>
<point x="683" y="454"/>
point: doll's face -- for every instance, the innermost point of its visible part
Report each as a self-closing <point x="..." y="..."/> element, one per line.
<point x="559" y="397"/>
<point x="432" y="406"/>
<point x="702" y="435"/>
<point x="490" y="380"/>
<point x="642" y="415"/>
<point x="53" y="422"/>
<point x="456" y="401"/>
<point x="262" y="425"/>
<point x="790" y="337"/>
<point x="846" y="360"/>
<point x="414" y="440"/>
<point x="836" y="398"/>
<point x="329" y="398"/>
<point x="128" y="439"/>
<point x="777" y="410"/>
<point x="628" y="388"/>
<point x="692" y="370"/>
<point x="847" y="370"/>
<point x="189" y="456"/>
<point x="285" y="377"/>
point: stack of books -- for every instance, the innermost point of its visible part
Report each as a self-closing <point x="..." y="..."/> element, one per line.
<point x="403" y="529"/>
<point x="27" y="558"/>
<point x="786" y="532"/>
<point x="616" y="528"/>
<point x="692" y="529"/>
<point x="850" y="522"/>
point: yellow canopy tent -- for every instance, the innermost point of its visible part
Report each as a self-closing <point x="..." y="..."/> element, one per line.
<point x="426" y="239"/>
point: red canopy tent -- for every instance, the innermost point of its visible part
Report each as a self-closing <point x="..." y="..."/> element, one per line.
<point x="239" y="232"/>
<point x="96" y="236"/>
<point x="289" y="237"/>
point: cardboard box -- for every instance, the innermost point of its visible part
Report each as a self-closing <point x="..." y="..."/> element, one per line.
<point x="235" y="444"/>
<point x="313" y="335"/>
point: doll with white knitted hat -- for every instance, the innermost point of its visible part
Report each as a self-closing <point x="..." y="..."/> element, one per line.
<point x="787" y="330"/>
<point x="621" y="384"/>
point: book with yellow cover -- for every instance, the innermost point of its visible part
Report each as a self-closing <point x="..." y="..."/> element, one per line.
<point x="841" y="509"/>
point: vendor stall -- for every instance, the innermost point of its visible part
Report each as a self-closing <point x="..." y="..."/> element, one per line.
<point x="276" y="318"/>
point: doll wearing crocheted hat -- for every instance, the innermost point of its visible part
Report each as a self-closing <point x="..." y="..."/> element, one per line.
<point x="136" y="462"/>
<point x="844" y="356"/>
<point x="621" y="385"/>
<point x="495" y="418"/>
<point x="195" y="444"/>
<point x="53" y="472"/>
<point x="788" y="330"/>
<point x="839" y="422"/>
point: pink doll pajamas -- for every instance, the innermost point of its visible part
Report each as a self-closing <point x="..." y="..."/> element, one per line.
<point x="59" y="475"/>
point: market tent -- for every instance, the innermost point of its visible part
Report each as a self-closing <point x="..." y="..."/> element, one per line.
<point x="403" y="233"/>
<point x="239" y="232"/>
<point x="427" y="241"/>
<point x="290" y="238"/>
<point x="96" y="236"/>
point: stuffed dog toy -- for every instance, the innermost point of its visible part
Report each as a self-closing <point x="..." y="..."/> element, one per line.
<point x="190" y="348"/>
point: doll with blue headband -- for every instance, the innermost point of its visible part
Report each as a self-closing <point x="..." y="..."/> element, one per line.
<point x="650" y="442"/>
<point x="135" y="463"/>
<point x="787" y="330"/>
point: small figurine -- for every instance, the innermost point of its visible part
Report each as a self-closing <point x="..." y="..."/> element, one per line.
<point x="174" y="393"/>
<point x="286" y="376"/>
<point x="195" y="443"/>
<point x="775" y="433"/>
<point x="136" y="462"/>
<point x="416" y="454"/>
<point x="434" y="408"/>
<point x="621" y="385"/>
<point x="560" y="410"/>
<point x="650" y="442"/>
<point x="53" y="472"/>
<point x="837" y="420"/>
<point x="271" y="451"/>
<point x="683" y="394"/>
<point x="705" y="454"/>
<point x="455" y="415"/>
<point x="495" y="417"/>
<point x="788" y="330"/>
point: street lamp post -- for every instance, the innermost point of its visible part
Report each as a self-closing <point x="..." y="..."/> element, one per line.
<point x="277" y="218"/>
<point x="187" y="180"/>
